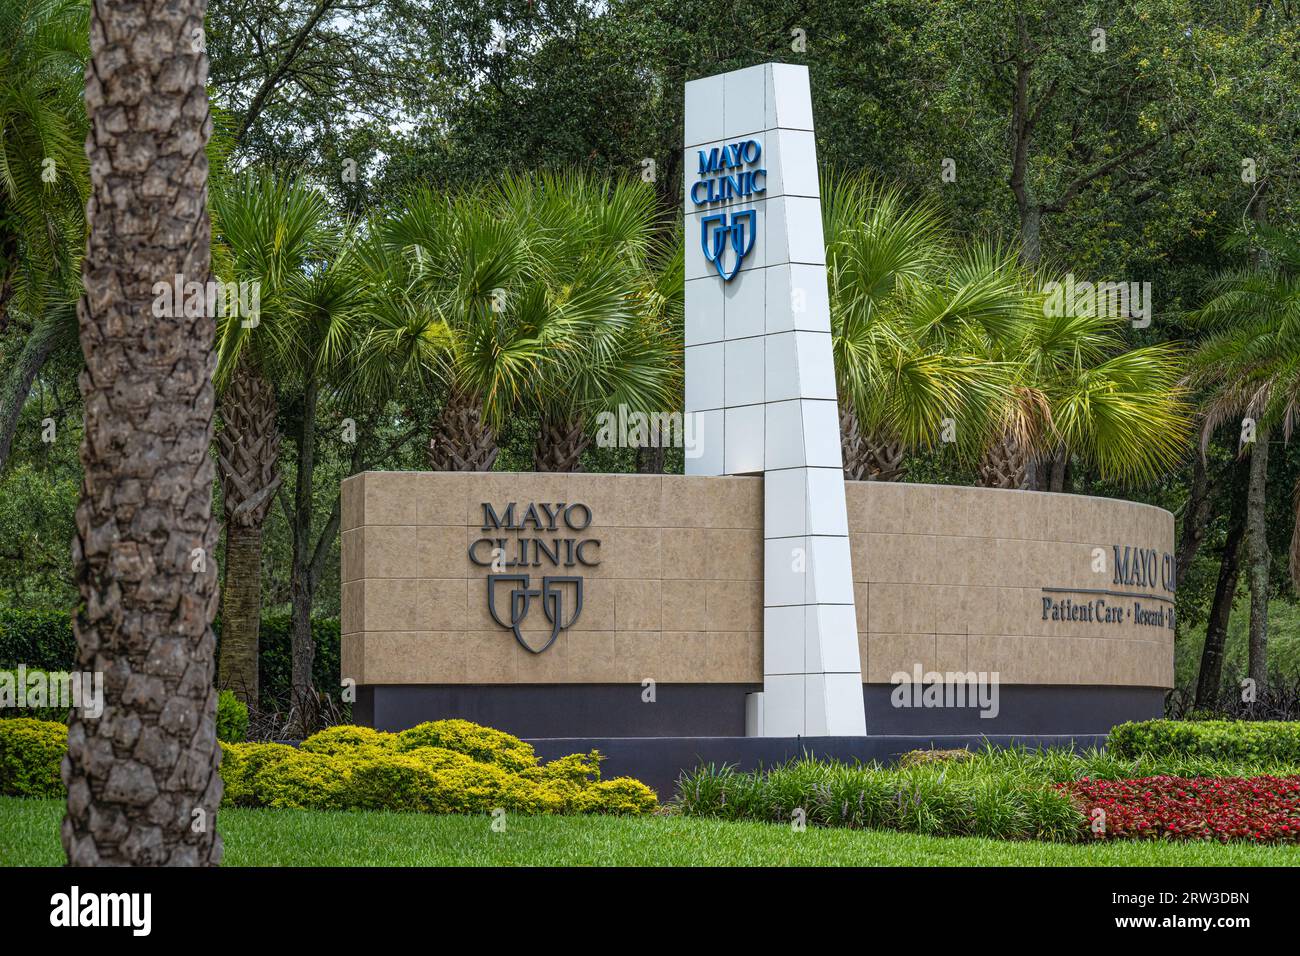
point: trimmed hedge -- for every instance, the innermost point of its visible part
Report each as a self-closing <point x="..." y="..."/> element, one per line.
<point x="44" y="640"/>
<point x="31" y="753"/>
<point x="475" y="770"/>
<point x="1241" y="740"/>
<point x="446" y="766"/>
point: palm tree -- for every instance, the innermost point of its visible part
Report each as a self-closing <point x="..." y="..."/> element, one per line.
<point x="1250" y="363"/>
<point x="590" y="241"/>
<point x="43" y="185"/>
<point x="272" y="232"/>
<point x="1078" y="390"/>
<point x="924" y="331"/>
<point x="441" y="270"/>
<point x="488" y="293"/>
<point x="907" y="318"/>
<point x="662" y="303"/>
<point x="143" y="787"/>
<point x="302" y="350"/>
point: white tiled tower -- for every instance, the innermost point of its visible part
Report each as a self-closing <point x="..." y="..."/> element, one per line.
<point x="760" y="379"/>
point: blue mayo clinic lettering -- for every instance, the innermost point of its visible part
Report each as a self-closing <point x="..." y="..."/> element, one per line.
<point x="728" y="173"/>
<point x="730" y="179"/>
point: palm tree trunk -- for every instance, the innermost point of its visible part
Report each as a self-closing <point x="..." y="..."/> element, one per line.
<point x="36" y="349"/>
<point x="1258" y="556"/>
<point x="462" y="440"/>
<point x="143" y="787"/>
<point x="248" y="448"/>
<point x="867" y="457"/>
<point x="1196" y="518"/>
<point x="650" y="460"/>
<point x="1056" y="469"/>
<point x="560" y="446"/>
<point x="1005" y="464"/>
<point x="302" y="584"/>
<point x="1225" y="591"/>
<point x="241" y="612"/>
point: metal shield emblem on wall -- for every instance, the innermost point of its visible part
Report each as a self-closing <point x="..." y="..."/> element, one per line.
<point x="717" y="232"/>
<point x="560" y="597"/>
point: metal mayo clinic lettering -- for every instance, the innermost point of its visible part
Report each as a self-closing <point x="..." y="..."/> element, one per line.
<point x="559" y="594"/>
<point x="729" y="172"/>
<point x="1134" y="567"/>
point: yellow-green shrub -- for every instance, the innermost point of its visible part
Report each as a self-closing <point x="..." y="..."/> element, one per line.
<point x="533" y="799"/>
<point x="240" y="764"/>
<point x="31" y="752"/>
<point x="622" y="795"/>
<point x="392" y="782"/>
<point x="473" y="788"/>
<point x="346" y="738"/>
<point x="438" y="758"/>
<point x="578" y="769"/>
<point x="303" y="780"/>
<point x="346" y="768"/>
<point x="481" y="743"/>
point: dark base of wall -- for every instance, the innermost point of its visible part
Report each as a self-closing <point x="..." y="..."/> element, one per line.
<point x="562" y="710"/>
<point x="1021" y="709"/>
<point x="718" y="710"/>
<point x="659" y="761"/>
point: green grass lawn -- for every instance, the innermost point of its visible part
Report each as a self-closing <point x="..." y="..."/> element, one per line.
<point x="29" y="836"/>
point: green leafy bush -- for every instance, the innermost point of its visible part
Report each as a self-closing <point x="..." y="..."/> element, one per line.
<point x="275" y="658"/>
<point x="40" y="639"/>
<point x="31" y="753"/>
<point x="1228" y="740"/>
<point x="232" y="718"/>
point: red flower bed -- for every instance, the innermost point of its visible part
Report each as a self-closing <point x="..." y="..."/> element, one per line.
<point x="1259" y="809"/>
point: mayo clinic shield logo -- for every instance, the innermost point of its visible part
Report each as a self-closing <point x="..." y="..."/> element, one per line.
<point x="718" y="233"/>
<point x="561" y="600"/>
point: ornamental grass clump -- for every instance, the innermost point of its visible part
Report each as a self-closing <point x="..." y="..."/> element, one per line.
<point x="927" y="797"/>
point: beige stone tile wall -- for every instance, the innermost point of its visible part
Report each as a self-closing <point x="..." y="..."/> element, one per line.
<point x="677" y="595"/>
<point x="947" y="578"/>
<point x="952" y="579"/>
